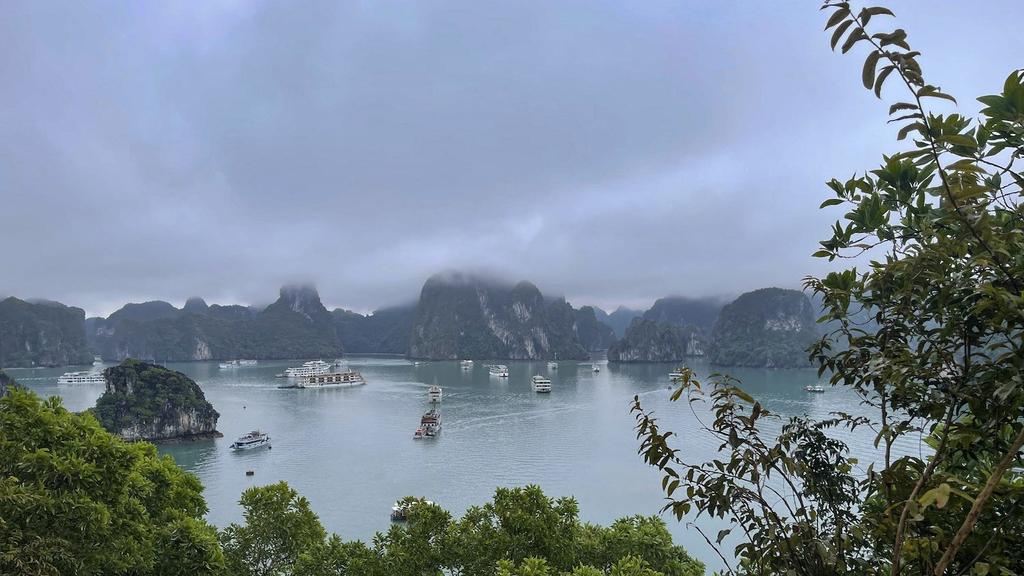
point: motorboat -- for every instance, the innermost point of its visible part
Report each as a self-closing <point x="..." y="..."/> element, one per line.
<point x="251" y="440"/>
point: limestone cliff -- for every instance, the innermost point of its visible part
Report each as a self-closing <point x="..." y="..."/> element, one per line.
<point x="770" y="328"/>
<point x="41" y="334"/>
<point x="464" y="316"/>
<point x="149" y="402"/>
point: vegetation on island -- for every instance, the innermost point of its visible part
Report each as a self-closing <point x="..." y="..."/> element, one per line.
<point x="75" y="499"/>
<point x="148" y="402"/>
<point x="940" y="362"/>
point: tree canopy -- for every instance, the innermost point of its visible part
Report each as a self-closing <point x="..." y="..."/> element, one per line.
<point x="928" y="334"/>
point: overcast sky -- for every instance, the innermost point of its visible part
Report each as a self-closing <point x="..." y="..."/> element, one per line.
<point x="613" y="152"/>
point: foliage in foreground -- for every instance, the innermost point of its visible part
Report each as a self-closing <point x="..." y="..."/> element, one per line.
<point x="939" y="362"/>
<point x="521" y="532"/>
<point x="75" y="499"/>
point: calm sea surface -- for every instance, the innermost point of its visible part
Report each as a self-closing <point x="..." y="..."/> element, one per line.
<point x="351" y="451"/>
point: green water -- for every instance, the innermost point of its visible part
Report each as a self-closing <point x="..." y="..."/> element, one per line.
<point x="351" y="451"/>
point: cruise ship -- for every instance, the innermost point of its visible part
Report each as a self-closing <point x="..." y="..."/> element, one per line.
<point x="82" y="378"/>
<point x="434" y="393"/>
<point x="254" y="439"/>
<point x="541" y="384"/>
<point x="430" y="424"/>
<point x="345" y="379"/>
<point x="311" y="368"/>
<point x="499" y="370"/>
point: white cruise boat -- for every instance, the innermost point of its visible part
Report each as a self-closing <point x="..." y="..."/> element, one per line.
<point x="815" y="389"/>
<point x="229" y="364"/>
<point x="248" y="362"/>
<point x="466" y="364"/>
<point x="97" y="361"/>
<point x="499" y="370"/>
<point x="254" y="439"/>
<point x="541" y="384"/>
<point x="311" y="368"/>
<point x="597" y="368"/>
<point x="82" y="378"/>
<point x="434" y="393"/>
<point x="346" y="379"/>
<point x="675" y="375"/>
<point x="552" y="365"/>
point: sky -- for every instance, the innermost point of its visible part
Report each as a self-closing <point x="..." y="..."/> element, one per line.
<point x="610" y="152"/>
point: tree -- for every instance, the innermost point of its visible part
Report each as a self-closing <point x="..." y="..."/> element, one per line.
<point x="279" y="526"/>
<point x="75" y="499"/>
<point x="940" y="359"/>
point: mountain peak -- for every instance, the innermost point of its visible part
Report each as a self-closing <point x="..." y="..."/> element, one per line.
<point x="301" y="298"/>
<point x="195" y="305"/>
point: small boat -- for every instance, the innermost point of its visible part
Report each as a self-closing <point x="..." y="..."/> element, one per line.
<point x="251" y="440"/>
<point x="418" y="434"/>
<point x="552" y="365"/>
<point x="82" y="378"/>
<point x="97" y="361"/>
<point x="434" y="394"/>
<point x="597" y="368"/>
<point x="431" y="423"/>
<point x="466" y="364"/>
<point x="499" y="370"/>
<point x="400" y="511"/>
<point x="248" y="362"/>
<point x="229" y="364"/>
<point x="675" y="375"/>
<point x="815" y="389"/>
<point x="541" y="384"/>
<point x="250" y="472"/>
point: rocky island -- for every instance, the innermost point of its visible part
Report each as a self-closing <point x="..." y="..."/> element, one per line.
<point x="766" y="328"/>
<point x="149" y="402"/>
<point x="466" y="316"/>
<point x="674" y="328"/>
<point x="6" y="383"/>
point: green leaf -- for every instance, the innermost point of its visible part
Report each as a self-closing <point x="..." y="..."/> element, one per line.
<point x="836" y="17"/>
<point x="916" y="126"/>
<point x="830" y="202"/>
<point x="868" y="74"/>
<point x="839" y="32"/>
<point x="856" y="36"/>
<point x="881" y="79"/>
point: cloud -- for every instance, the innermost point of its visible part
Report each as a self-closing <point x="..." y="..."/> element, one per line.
<point x="610" y="152"/>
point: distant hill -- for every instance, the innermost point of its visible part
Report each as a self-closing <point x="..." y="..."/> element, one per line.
<point x="295" y="326"/>
<point x="770" y="327"/>
<point x="674" y="328"/>
<point x="41" y="333"/>
<point x="386" y="331"/>
<point x="593" y="334"/>
<point x="620" y="319"/>
<point x="465" y="316"/>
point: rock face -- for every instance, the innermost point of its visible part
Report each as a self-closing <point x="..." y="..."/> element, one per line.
<point x="149" y="402"/>
<point x="386" y="331"/>
<point x="463" y="316"/>
<point x="41" y="334"/>
<point x="592" y="334"/>
<point x="295" y="326"/>
<point x="770" y="328"/>
<point x="674" y="328"/>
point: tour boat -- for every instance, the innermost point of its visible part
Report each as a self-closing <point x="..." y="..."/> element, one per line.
<point x="82" y="378"/>
<point x="466" y="364"/>
<point x="248" y="362"/>
<point x="541" y="384"/>
<point x="815" y="389"/>
<point x="431" y="423"/>
<point x="552" y="365"/>
<point x="229" y="364"/>
<point x="434" y="393"/>
<point x="97" y="361"/>
<point x="400" y="511"/>
<point x="417" y="434"/>
<point x="254" y="439"/>
<point x="597" y="368"/>
<point x="499" y="370"/>
<point x="345" y="379"/>
<point x="311" y="368"/>
<point x="676" y="375"/>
